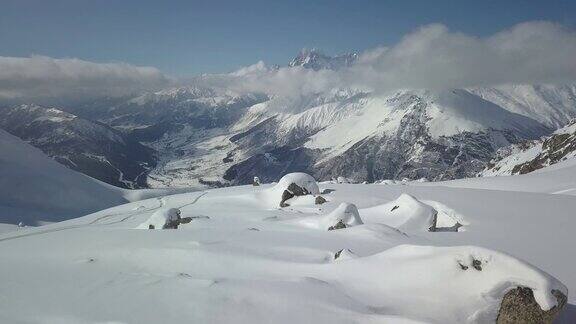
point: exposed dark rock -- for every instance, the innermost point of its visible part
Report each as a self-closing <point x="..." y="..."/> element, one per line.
<point x="296" y="190"/>
<point x="477" y="264"/>
<point x="213" y="184"/>
<point x="270" y="165"/>
<point x="285" y="196"/>
<point x="293" y="190"/>
<point x="433" y="227"/>
<point x="339" y="225"/>
<point x="173" y="223"/>
<point x="453" y="228"/>
<point x="519" y="306"/>
<point x="151" y="226"/>
<point x="319" y="200"/>
<point x="337" y="254"/>
<point x="228" y="158"/>
<point x="462" y="266"/>
<point x="185" y="220"/>
<point x="394" y="208"/>
<point x="554" y="149"/>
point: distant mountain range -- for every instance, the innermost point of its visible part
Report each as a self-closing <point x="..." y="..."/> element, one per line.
<point x="216" y="136"/>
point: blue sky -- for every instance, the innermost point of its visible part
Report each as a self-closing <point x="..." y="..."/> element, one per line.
<point x="191" y="37"/>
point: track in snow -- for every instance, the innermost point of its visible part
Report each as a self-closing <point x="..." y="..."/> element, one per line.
<point x="161" y="200"/>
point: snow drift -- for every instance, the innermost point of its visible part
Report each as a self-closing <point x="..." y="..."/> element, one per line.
<point x="346" y="214"/>
<point x="405" y="213"/>
<point x="440" y="283"/>
<point x="302" y="180"/>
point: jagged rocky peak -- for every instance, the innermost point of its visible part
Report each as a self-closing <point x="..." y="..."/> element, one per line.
<point x="316" y="60"/>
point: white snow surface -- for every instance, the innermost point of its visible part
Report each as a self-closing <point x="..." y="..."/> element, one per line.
<point x="253" y="262"/>
<point x="345" y="212"/>
<point x="404" y="213"/>
<point x="34" y="189"/>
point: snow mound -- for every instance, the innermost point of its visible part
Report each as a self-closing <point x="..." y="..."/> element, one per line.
<point x="449" y="284"/>
<point x="405" y="213"/>
<point x="302" y="180"/>
<point x="161" y="219"/>
<point x="346" y="213"/>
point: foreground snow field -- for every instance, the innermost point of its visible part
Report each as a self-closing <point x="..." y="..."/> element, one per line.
<point x="244" y="260"/>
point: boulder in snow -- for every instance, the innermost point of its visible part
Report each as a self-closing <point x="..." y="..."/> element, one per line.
<point x="404" y="213"/>
<point x="407" y="213"/>
<point x="346" y="214"/>
<point x="339" y="225"/>
<point x="520" y="306"/>
<point x="164" y="218"/>
<point x="294" y="185"/>
<point x="319" y="200"/>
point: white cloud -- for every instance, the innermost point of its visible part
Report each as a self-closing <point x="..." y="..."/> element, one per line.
<point x="431" y="57"/>
<point x="434" y="57"/>
<point x="44" y="78"/>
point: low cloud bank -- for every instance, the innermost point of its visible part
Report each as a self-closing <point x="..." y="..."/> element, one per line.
<point x="39" y="78"/>
<point x="432" y="57"/>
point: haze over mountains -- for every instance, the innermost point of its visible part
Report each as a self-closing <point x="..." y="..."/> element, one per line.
<point x="215" y="135"/>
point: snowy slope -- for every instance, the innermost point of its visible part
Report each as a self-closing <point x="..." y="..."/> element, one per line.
<point x="553" y="106"/>
<point x="36" y="189"/>
<point x="533" y="155"/>
<point x="556" y="179"/>
<point x="80" y="144"/>
<point x="243" y="261"/>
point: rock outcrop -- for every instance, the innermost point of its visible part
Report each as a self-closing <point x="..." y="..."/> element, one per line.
<point x="519" y="306"/>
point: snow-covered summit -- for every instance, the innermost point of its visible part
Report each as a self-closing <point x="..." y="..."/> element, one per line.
<point x="316" y="60"/>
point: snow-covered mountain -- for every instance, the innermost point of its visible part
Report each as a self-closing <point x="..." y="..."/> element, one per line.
<point x="92" y="148"/>
<point x="370" y="137"/>
<point x="215" y="135"/>
<point x="316" y="60"/>
<point x="530" y="156"/>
